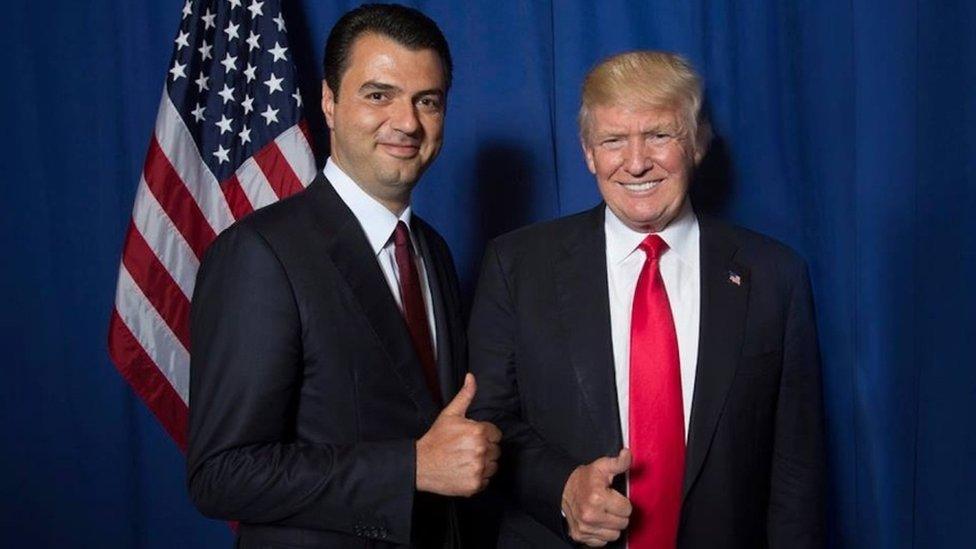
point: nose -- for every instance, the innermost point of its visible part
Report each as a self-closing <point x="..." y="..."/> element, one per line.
<point x="404" y="117"/>
<point x="637" y="160"/>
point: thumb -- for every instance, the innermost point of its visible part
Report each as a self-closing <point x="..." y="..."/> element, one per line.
<point x="619" y="464"/>
<point x="459" y="406"/>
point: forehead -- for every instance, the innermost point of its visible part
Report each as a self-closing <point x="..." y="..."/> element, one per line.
<point x="374" y="57"/>
<point x="621" y="117"/>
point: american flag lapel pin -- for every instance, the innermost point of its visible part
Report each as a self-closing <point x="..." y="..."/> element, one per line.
<point x="734" y="278"/>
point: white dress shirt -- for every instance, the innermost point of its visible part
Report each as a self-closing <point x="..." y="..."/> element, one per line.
<point x="679" y="266"/>
<point x="379" y="223"/>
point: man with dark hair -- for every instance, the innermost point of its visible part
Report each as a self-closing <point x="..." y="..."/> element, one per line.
<point x="328" y="370"/>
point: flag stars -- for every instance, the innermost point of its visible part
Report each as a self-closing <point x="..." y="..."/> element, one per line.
<point x="234" y="3"/>
<point x="280" y="21"/>
<point x="205" y="51"/>
<point x="248" y="104"/>
<point x="298" y="98"/>
<point x="274" y="84"/>
<point x="252" y="41"/>
<point x="227" y="93"/>
<point x="278" y="52"/>
<point x="270" y="115"/>
<point x="224" y="124"/>
<point x="231" y="31"/>
<point x="255" y="9"/>
<point x="187" y="10"/>
<point x="202" y="82"/>
<point x="245" y="135"/>
<point x="222" y="154"/>
<point x="198" y="112"/>
<point x="178" y="71"/>
<point x="182" y="40"/>
<point x="250" y="71"/>
<point x="229" y="62"/>
<point x="208" y="20"/>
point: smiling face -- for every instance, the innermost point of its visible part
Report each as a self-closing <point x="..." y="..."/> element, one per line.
<point x="642" y="160"/>
<point x="386" y="124"/>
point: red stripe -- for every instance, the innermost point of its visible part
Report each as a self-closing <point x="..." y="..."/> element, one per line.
<point x="157" y="284"/>
<point x="303" y="125"/>
<point x="278" y="171"/>
<point x="176" y="200"/>
<point x="146" y="380"/>
<point x="236" y="199"/>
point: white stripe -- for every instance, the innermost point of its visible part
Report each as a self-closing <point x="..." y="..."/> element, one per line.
<point x="255" y="184"/>
<point x="178" y="146"/>
<point x="164" y="239"/>
<point x="152" y="332"/>
<point x="296" y="150"/>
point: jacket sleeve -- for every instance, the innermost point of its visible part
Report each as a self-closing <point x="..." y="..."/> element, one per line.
<point x="244" y="460"/>
<point x="796" y="500"/>
<point x="534" y="472"/>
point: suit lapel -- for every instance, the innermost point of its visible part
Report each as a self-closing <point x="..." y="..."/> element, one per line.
<point x="723" y="312"/>
<point x="352" y="255"/>
<point x="447" y="375"/>
<point x="584" y="311"/>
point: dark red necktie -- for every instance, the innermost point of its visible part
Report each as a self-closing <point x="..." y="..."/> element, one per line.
<point x="414" y="310"/>
<point x="657" y="436"/>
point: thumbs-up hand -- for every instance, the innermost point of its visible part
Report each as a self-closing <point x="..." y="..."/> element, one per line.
<point x="595" y="512"/>
<point x="457" y="456"/>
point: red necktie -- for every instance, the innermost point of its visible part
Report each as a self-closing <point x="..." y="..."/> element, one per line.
<point x="657" y="435"/>
<point x="414" y="310"/>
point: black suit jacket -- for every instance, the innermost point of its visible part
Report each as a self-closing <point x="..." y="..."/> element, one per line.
<point x="306" y="395"/>
<point x="540" y="346"/>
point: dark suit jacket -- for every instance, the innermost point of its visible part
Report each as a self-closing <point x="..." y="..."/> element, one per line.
<point x="306" y="393"/>
<point x="541" y="350"/>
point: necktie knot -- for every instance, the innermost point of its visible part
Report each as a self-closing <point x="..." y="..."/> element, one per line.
<point x="653" y="246"/>
<point x="401" y="235"/>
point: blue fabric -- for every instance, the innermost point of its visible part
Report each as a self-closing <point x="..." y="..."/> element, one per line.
<point x="846" y="129"/>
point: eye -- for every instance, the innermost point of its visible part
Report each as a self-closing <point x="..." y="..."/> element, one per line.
<point x="660" y="138"/>
<point x="376" y="96"/>
<point x="430" y="104"/>
<point x="612" y="143"/>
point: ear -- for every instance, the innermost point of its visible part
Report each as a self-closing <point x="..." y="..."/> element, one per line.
<point x="588" y="154"/>
<point x="328" y="105"/>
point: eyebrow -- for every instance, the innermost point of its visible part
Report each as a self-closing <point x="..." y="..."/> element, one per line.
<point x="373" y="85"/>
<point x="377" y="86"/>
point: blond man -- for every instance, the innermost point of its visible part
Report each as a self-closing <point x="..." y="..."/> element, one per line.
<point x="654" y="371"/>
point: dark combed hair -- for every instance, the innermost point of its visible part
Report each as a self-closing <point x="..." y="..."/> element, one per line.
<point x="405" y="26"/>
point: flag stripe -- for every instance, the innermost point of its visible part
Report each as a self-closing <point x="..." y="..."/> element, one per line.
<point x="166" y="242"/>
<point x="255" y="184"/>
<point x="144" y="376"/>
<point x="236" y="198"/>
<point x="152" y="332"/>
<point x="178" y="145"/>
<point x="295" y="148"/>
<point x="176" y="201"/>
<point x="277" y="170"/>
<point x="157" y="285"/>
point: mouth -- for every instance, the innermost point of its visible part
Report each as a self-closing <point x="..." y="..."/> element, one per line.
<point x="400" y="150"/>
<point x="641" y="186"/>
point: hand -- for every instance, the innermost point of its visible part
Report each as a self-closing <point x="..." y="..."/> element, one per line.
<point x="595" y="512"/>
<point x="457" y="456"/>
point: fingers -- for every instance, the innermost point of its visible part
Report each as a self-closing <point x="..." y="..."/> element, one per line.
<point x="459" y="405"/>
<point x="618" y="506"/>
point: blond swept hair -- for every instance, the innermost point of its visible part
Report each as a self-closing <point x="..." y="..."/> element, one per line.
<point x="640" y="79"/>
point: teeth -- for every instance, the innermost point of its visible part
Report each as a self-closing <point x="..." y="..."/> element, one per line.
<point x="641" y="186"/>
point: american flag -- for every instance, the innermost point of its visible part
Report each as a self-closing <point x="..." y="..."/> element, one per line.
<point x="229" y="138"/>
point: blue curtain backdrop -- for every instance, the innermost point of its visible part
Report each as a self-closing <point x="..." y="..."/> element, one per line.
<point x="845" y="128"/>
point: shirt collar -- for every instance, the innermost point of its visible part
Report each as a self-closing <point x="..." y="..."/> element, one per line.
<point x="681" y="236"/>
<point x="377" y="222"/>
